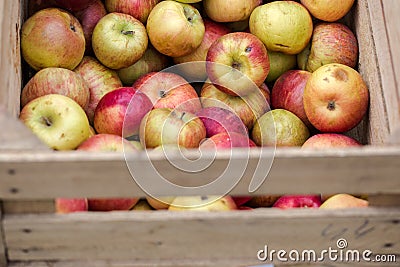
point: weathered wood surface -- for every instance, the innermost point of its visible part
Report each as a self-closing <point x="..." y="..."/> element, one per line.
<point x="32" y="175"/>
<point x="163" y="236"/>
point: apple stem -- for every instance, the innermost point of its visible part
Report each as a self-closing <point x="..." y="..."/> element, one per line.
<point x="72" y="27"/>
<point x="331" y="105"/>
<point x="183" y="114"/>
<point x="127" y="32"/>
<point x="161" y="93"/>
<point x="46" y="121"/>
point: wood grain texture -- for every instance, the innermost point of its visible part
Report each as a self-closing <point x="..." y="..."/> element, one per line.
<point x="162" y="236"/>
<point x="33" y="175"/>
<point x="10" y="58"/>
<point x="3" y="257"/>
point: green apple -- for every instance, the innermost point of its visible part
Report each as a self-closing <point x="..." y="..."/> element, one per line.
<point x="280" y="127"/>
<point x="57" y="120"/>
<point x="283" y="26"/>
<point x="279" y="64"/>
<point x="203" y="203"/>
<point x="230" y="11"/>
<point x="119" y="40"/>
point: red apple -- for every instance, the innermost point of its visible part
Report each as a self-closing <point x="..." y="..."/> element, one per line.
<point x="246" y="61"/>
<point x="175" y="29"/>
<point x="100" y="80"/>
<point x="220" y="120"/>
<point x="287" y="93"/>
<point x="197" y="71"/>
<point x="332" y="43"/>
<point x="241" y="200"/>
<point x="69" y="205"/>
<point x="110" y="204"/>
<point x="226" y="141"/>
<point x="107" y="142"/>
<point x="120" y="112"/>
<point x="335" y="98"/>
<point x="36" y="5"/>
<point x="163" y="126"/>
<point x="52" y="37"/>
<point x="298" y="201"/>
<point x="136" y="8"/>
<point x="326" y="140"/>
<point x="88" y="17"/>
<point x="248" y="108"/>
<point x="151" y="61"/>
<point x="229" y="11"/>
<point x="169" y="90"/>
<point x="74" y="5"/>
<point x="56" y="81"/>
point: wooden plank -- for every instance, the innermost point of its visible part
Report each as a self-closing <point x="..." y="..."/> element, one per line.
<point x="3" y="257"/>
<point x="382" y="200"/>
<point x="10" y="58"/>
<point x="163" y="236"/>
<point x="202" y="263"/>
<point x="16" y="136"/>
<point x="366" y="170"/>
<point x="378" y="125"/>
<point x="28" y="206"/>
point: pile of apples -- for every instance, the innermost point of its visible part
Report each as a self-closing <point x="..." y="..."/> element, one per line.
<point x="128" y="75"/>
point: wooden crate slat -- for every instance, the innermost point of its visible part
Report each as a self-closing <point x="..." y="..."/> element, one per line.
<point x="31" y="175"/>
<point x="3" y="257"/>
<point x="161" y="236"/>
<point x="10" y="59"/>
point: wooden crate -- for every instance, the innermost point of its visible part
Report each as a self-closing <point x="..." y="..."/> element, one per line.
<point x="31" y="175"/>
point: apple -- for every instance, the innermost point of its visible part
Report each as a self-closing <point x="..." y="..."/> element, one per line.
<point x="142" y="205"/>
<point x="167" y="126"/>
<point x="110" y="204"/>
<point x="52" y="37"/>
<point x="302" y="57"/>
<point x="287" y="93"/>
<point x="107" y="142"/>
<point x="335" y="98"/>
<point x="281" y="128"/>
<point x="238" y="26"/>
<point x="298" y="201"/>
<point x="151" y="61"/>
<point x="262" y="201"/>
<point x="283" y="26"/>
<point x="326" y="140"/>
<point x="69" y="205"/>
<point x="121" y="111"/>
<point x="226" y="140"/>
<point x="241" y="200"/>
<point x="248" y="108"/>
<point x="279" y="64"/>
<point x="175" y="29"/>
<point x="266" y="93"/>
<point x="328" y="10"/>
<point x="89" y="17"/>
<point x="138" y="9"/>
<point x="203" y="203"/>
<point x="197" y="72"/>
<point x="136" y="144"/>
<point x="229" y="11"/>
<point x="332" y="43"/>
<point x="100" y="80"/>
<point x="119" y="40"/>
<point x="57" y="120"/>
<point x="74" y="5"/>
<point x="169" y="90"/>
<point x="159" y="203"/>
<point x="237" y="63"/>
<point x="341" y="201"/>
<point x="220" y="120"/>
<point x="56" y="81"/>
